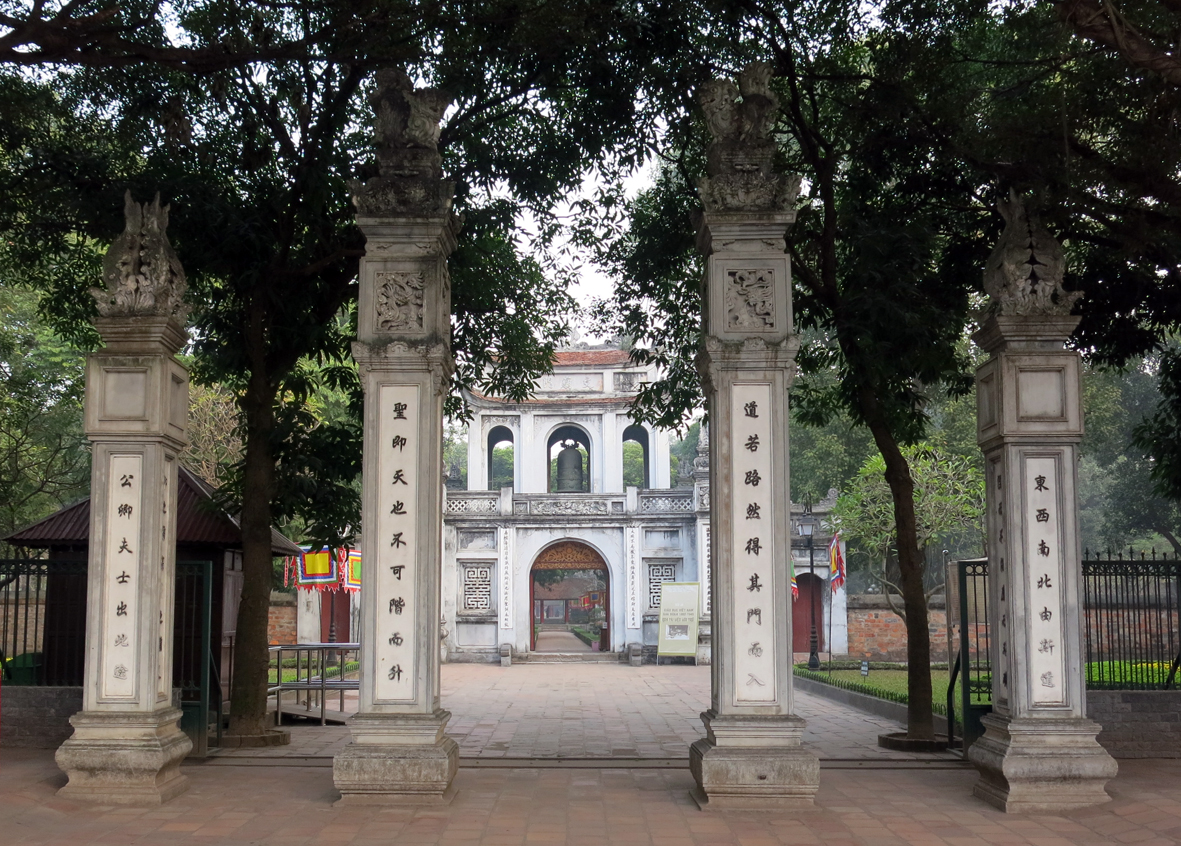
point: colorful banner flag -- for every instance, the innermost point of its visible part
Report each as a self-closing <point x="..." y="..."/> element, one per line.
<point x="324" y="569"/>
<point x="795" y="587"/>
<point x="836" y="562"/>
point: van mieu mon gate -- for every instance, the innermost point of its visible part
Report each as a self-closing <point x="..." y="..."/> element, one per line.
<point x="1039" y="750"/>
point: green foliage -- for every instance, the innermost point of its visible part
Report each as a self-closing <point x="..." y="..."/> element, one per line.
<point x="502" y="468"/>
<point x="633" y="465"/>
<point x="948" y="497"/>
<point x="44" y="461"/>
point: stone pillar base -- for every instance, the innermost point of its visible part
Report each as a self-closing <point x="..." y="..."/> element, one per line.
<point x="1041" y="764"/>
<point x="124" y="758"/>
<point x="397" y="759"/>
<point x="753" y="763"/>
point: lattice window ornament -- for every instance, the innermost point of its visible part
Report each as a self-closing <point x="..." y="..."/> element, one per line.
<point x="477" y="588"/>
<point x="658" y="574"/>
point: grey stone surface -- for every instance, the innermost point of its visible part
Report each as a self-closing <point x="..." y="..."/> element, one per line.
<point x="127" y="745"/>
<point x="1038" y="752"/>
<point x="37" y="716"/>
<point x="1137" y="723"/>
<point x="751" y="755"/>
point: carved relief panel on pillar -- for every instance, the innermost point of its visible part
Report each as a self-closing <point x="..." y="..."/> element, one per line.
<point x="397" y="542"/>
<point x="753" y="544"/>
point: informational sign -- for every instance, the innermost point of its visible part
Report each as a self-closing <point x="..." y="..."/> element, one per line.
<point x="679" y="613"/>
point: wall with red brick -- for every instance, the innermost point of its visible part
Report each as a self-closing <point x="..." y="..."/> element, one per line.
<point x="281" y="620"/>
<point x="878" y="634"/>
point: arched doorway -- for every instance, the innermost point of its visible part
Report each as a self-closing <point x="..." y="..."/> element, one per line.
<point x="807" y="607"/>
<point x="569" y="600"/>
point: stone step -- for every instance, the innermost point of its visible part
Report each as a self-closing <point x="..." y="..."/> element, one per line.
<point x="568" y="658"/>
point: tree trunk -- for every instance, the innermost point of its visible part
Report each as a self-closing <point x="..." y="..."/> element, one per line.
<point x="920" y="720"/>
<point x="248" y="700"/>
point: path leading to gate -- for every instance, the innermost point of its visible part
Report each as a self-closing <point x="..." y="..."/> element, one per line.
<point x="559" y="642"/>
<point x="595" y="710"/>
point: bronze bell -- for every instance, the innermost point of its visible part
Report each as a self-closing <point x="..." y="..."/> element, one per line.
<point x="569" y="469"/>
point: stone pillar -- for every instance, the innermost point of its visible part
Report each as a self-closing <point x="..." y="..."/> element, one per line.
<point x="1039" y="751"/>
<point x="751" y="756"/>
<point x="400" y="752"/>
<point x="127" y="745"/>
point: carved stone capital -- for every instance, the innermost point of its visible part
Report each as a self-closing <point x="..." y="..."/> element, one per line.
<point x="1023" y="276"/>
<point x="749" y="191"/>
<point x="397" y="196"/>
<point x="142" y="276"/>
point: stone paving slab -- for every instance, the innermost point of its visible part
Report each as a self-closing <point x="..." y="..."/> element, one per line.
<point x="598" y="711"/>
<point x="293" y="806"/>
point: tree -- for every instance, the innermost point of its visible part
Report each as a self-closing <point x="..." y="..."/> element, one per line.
<point x="214" y="443"/>
<point x="44" y="463"/>
<point x="948" y="496"/>
<point x="542" y="94"/>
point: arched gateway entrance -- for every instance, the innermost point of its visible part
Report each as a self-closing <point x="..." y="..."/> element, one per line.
<point x="569" y="600"/>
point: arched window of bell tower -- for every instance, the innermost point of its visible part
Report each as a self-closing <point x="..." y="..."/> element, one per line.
<point x="501" y="458"/>
<point x="568" y="452"/>
<point x="637" y="457"/>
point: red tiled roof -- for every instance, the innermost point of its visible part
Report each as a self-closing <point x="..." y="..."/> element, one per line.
<point x="584" y="358"/>
<point x="197" y="521"/>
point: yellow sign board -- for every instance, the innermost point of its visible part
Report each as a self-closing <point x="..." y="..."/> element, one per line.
<point x="679" y="614"/>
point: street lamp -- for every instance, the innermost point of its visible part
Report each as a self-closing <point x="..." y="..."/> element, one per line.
<point x="806" y="526"/>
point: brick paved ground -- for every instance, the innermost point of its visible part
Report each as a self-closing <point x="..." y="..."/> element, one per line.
<point x="292" y="806"/>
<point x="598" y="710"/>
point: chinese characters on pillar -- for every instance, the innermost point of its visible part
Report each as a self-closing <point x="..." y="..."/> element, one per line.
<point x="1043" y="555"/>
<point x="752" y="543"/>
<point x="165" y="576"/>
<point x="1000" y="564"/>
<point x="124" y="513"/>
<point x="395" y="545"/>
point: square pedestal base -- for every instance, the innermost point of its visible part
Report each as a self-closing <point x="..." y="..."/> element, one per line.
<point x="397" y="759"/>
<point x="124" y="758"/>
<point x="753" y="763"/>
<point x="1041" y="764"/>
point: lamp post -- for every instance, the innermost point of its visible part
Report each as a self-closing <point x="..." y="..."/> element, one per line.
<point x="806" y="526"/>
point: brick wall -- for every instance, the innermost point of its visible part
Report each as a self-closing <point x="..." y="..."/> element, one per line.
<point x="281" y="619"/>
<point x="877" y="633"/>
<point x="37" y="716"/>
<point x="1137" y="723"/>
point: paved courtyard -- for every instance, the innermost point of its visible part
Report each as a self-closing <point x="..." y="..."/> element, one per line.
<point x="596" y="710"/>
<point x="610" y="748"/>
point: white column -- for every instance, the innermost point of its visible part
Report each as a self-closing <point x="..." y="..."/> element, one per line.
<point x="751" y="755"/>
<point x="613" y="451"/>
<point x="127" y="745"/>
<point x="1039" y="752"/>
<point x="477" y="461"/>
<point x="399" y="751"/>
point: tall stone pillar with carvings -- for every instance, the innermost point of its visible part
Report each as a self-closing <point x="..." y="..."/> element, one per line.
<point x="127" y="745"/>
<point x="1039" y="751"/>
<point x="751" y="755"/>
<point x="400" y="752"/>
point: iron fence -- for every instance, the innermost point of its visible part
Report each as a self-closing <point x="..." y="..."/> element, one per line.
<point x="42" y="621"/>
<point x="1130" y="625"/>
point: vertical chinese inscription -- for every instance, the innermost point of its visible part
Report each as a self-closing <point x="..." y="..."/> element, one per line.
<point x="1000" y="575"/>
<point x="1043" y="554"/>
<point x="165" y="576"/>
<point x="395" y="545"/>
<point x="506" y="580"/>
<point x="121" y="576"/>
<point x="752" y="543"/>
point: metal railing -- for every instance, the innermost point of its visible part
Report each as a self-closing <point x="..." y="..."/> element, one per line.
<point x="1130" y="627"/>
<point x="42" y="621"/>
<point x="316" y="670"/>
